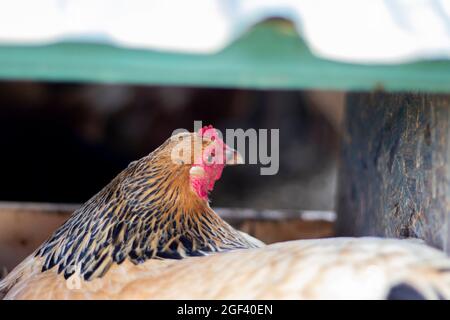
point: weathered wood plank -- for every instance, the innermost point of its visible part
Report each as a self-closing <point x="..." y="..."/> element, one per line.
<point x="395" y="167"/>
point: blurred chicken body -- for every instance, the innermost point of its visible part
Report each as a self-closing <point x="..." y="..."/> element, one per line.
<point x="151" y="234"/>
<point x="335" y="268"/>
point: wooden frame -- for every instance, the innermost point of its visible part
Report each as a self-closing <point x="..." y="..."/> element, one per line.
<point x="24" y="226"/>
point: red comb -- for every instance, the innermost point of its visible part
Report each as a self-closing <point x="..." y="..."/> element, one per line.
<point x="211" y="132"/>
<point x="202" y="131"/>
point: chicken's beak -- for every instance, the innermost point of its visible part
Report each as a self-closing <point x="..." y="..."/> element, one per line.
<point x="233" y="157"/>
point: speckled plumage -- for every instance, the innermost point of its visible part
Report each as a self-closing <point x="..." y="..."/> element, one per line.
<point x="149" y="211"/>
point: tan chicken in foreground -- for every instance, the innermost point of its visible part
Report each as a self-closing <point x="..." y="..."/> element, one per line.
<point x="151" y="234"/>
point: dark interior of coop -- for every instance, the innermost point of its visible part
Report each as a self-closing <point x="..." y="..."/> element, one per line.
<point x="63" y="142"/>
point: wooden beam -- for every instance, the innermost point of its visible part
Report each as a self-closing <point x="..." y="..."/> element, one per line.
<point x="394" y="178"/>
<point x="24" y="226"/>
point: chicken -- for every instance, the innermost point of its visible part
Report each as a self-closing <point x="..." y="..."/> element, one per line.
<point x="151" y="234"/>
<point x="157" y="208"/>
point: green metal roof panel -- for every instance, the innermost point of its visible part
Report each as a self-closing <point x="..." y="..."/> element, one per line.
<point x="271" y="55"/>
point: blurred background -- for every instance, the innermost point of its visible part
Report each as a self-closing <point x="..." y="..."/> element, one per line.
<point x="63" y="142"/>
<point x="72" y="115"/>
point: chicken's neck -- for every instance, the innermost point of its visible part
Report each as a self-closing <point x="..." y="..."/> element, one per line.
<point x="137" y="224"/>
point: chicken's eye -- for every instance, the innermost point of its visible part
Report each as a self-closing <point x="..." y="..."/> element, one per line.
<point x="210" y="158"/>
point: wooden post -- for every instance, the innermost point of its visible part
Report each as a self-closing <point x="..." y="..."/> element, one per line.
<point x="394" y="178"/>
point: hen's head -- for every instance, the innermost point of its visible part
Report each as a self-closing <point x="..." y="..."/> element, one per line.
<point x="197" y="158"/>
<point x="208" y="165"/>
